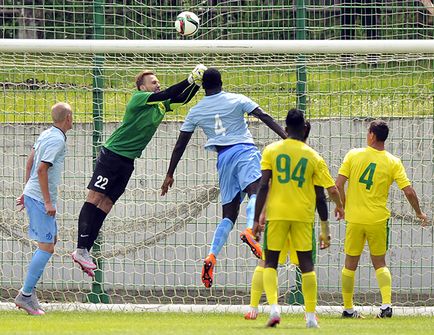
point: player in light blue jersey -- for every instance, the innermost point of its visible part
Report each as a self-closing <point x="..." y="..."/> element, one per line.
<point x="43" y="172"/>
<point x="221" y="117"/>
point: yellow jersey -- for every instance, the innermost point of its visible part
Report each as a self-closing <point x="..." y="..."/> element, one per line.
<point x="370" y="174"/>
<point x="295" y="169"/>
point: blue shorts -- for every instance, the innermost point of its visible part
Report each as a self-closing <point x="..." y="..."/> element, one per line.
<point x="42" y="227"/>
<point x="238" y="167"/>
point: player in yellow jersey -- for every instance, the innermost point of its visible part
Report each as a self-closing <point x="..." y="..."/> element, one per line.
<point x="257" y="285"/>
<point x="370" y="172"/>
<point x="290" y="169"/>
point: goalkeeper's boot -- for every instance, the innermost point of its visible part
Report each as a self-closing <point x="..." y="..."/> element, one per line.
<point x="28" y="304"/>
<point x="274" y="320"/>
<point x="385" y="313"/>
<point x="82" y="258"/>
<point x="89" y="272"/>
<point x="248" y="238"/>
<point x="208" y="270"/>
<point x="252" y="314"/>
<point x="354" y="315"/>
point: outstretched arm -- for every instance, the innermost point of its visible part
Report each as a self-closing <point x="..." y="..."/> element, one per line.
<point x="171" y="92"/>
<point x="411" y="196"/>
<point x="178" y="151"/>
<point x="269" y="121"/>
<point x="184" y="97"/>
<point x="183" y="89"/>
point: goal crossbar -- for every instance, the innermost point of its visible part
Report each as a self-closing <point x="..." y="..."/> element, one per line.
<point x="217" y="46"/>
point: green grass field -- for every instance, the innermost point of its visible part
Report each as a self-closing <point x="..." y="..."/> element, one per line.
<point x="175" y="323"/>
<point x="332" y="91"/>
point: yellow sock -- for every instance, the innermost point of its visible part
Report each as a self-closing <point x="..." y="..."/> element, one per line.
<point x="257" y="286"/>
<point x="384" y="280"/>
<point x="309" y="289"/>
<point x="348" y="287"/>
<point x="270" y="285"/>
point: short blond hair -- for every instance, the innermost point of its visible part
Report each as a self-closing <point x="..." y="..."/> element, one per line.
<point x="59" y="111"/>
<point x="141" y="76"/>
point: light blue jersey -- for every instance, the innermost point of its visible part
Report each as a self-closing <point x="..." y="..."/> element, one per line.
<point x="221" y="117"/>
<point x="50" y="147"/>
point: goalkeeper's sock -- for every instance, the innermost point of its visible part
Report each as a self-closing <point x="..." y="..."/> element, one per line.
<point x="220" y="236"/>
<point x="270" y="285"/>
<point x="98" y="219"/>
<point x="250" y="211"/>
<point x="85" y="223"/>
<point x="384" y="280"/>
<point x="257" y="286"/>
<point x="348" y="288"/>
<point x="36" y="268"/>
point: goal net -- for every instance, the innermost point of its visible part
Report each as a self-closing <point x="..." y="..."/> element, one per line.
<point x="152" y="247"/>
<point x="222" y="19"/>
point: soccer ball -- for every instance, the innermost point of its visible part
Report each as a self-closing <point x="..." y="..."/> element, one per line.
<point x="187" y="23"/>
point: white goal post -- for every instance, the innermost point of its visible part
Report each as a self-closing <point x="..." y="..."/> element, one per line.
<point x="153" y="247"/>
<point x="218" y="46"/>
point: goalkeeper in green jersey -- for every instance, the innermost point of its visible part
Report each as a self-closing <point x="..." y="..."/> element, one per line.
<point x="115" y="163"/>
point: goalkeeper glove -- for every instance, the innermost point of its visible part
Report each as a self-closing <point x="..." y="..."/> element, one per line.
<point x="324" y="236"/>
<point x="196" y="75"/>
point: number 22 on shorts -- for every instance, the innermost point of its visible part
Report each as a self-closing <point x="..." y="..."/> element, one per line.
<point x="101" y="182"/>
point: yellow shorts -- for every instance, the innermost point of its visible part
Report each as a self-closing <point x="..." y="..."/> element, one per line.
<point x="357" y="234"/>
<point x="288" y="250"/>
<point x="277" y="233"/>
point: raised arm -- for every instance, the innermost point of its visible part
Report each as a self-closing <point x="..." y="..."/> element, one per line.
<point x="184" y="97"/>
<point x="412" y="198"/>
<point x="259" y="113"/>
<point x="178" y="151"/>
<point x="183" y="91"/>
<point x="171" y="92"/>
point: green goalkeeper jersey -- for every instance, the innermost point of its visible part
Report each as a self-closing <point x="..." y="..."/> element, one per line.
<point x="140" y="123"/>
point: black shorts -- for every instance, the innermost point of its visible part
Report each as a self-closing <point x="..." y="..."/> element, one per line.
<point x="111" y="175"/>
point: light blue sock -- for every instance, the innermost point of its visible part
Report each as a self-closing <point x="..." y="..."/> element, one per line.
<point x="220" y="236"/>
<point x="36" y="268"/>
<point x="250" y="211"/>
